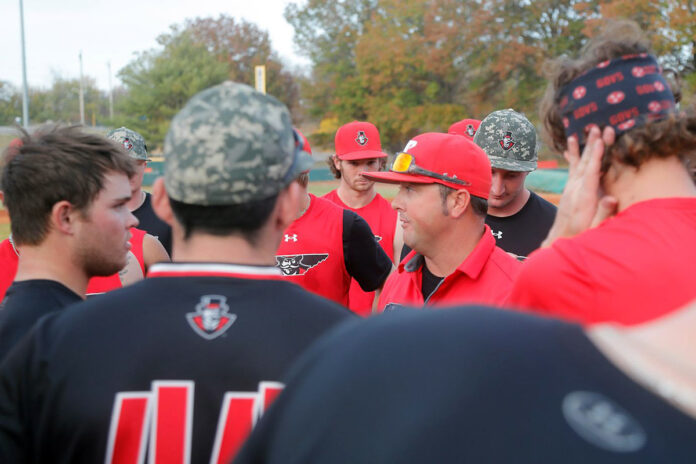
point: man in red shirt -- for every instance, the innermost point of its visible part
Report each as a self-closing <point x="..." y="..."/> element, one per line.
<point x="327" y="246"/>
<point x="444" y="181"/>
<point x="638" y="264"/>
<point x="358" y="150"/>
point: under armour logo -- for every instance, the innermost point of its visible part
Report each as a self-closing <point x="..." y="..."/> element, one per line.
<point x="289" y="237"/>
<point x="498" y="234"/>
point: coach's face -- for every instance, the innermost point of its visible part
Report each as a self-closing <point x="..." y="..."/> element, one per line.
<point x="420" y="214"/>
<point x="104" y="230"/>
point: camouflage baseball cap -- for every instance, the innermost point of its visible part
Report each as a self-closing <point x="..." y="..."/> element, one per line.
<point x="230" y="145"/>
<point x="509" y="140"/>
<point x="133" y="142"/>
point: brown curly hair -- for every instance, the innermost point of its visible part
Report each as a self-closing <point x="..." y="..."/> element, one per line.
<point x="674" y="135"/>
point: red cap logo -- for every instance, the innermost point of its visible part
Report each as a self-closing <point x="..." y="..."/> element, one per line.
<point x="361" y="138"/>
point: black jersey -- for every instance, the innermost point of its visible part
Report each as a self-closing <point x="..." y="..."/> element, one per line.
<point x="25" y="303"/>
<point x="152" y="224"/>
<point x="524" y="231"/>
<point x="180" y="364"/>
<point x="467" y="385"/>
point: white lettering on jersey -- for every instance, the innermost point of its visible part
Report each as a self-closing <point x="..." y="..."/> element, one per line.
<point x="165" y="417"/>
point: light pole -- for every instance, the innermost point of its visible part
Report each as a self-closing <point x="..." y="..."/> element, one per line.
<point x="82" y="94"/>
<point x="25" y="92"/>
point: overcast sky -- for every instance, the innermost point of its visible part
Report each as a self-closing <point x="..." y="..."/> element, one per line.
<point x="56" y="30"/>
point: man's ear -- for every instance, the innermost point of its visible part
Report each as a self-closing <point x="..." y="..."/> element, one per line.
<point x="288" y="204"/>
<point x="458" y="202"/>
<point x="160" y="201"/>
<point x="63" y="217"/>
<point x="336" y="162"/>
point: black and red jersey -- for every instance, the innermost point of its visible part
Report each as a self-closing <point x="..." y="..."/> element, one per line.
<point x="174" y="368"/>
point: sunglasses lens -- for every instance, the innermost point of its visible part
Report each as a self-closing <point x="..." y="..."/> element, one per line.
<point x="402" y="162"/>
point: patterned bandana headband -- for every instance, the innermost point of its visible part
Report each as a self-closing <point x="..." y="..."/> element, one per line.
<point x="622" y="93"/>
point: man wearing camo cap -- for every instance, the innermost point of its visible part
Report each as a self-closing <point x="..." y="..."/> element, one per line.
<point x="140" y="203"/>
<point x="519" y="219"/>
<point x="207" y="336"/>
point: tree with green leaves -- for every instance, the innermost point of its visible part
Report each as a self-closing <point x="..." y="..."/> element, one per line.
<point x="160" y="82"/>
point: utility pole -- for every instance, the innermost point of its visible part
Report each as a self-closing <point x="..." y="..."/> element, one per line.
<point x="82" y="94"/>
<point x="111" y="93"/>
<point x="25" y="92"/>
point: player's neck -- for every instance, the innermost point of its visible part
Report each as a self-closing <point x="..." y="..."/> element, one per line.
<point x="304" y="205"/>
<point x="449" y="251"/>
<point x="660" y="354"/>
<point x="231" y="249"/>
<point x="50" y="262"/>
<point x="353" y="198"/>
<point x="656" y="178"/>
<point x="136" y="200"/>
<point x="511" y="208"/>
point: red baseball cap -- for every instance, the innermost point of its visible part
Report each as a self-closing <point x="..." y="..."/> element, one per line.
<point x="436" y="158"/>
<point x="305" y="141"/>
<point x="465" y="127"/>
<point x="358" y="140"/>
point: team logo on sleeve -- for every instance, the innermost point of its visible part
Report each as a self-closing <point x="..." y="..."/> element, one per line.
<point x="361" y="138"/>
<point x="507" y="143"/>
<point x="211" y="318"/>
<point x="291" y="265"/>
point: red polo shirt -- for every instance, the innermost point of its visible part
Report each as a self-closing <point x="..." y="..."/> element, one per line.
<point x="485" y="277"/>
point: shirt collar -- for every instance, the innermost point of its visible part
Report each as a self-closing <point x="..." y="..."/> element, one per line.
<point x="471" y="266"/>
<point x="214" y="270"/>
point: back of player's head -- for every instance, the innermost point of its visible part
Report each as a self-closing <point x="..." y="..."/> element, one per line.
<point x="54" y="164"/>
<point x="230" y="151"/>
<point x="616" y="82"/>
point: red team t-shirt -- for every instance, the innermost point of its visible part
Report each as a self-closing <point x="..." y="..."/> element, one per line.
<point x="9" y="260"/>
<point x="485" y="277"/>
<point x="382" y="220"/>
<point x="634" y="267"/>
<point x="311" y="251"/>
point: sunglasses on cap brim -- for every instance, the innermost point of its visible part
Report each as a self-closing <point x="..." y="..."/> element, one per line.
<point x="406" y="164"/>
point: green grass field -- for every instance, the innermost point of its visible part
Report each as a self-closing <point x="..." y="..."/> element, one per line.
<point x="4" y="231"/>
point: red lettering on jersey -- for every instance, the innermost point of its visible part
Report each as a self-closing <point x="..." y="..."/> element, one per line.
<point x="165" y="415"/>
<point x="170" y="438"/>
<point x="585" y="110"/>
<point x="235" y="424"/>
<point x="268" y="391"/>
<point x="610" y="79"/>
<point x="622" y="116"/>
<point x="129" y="428"/>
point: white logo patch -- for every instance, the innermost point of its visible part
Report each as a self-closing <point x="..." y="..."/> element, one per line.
<point x="289" y="237"/>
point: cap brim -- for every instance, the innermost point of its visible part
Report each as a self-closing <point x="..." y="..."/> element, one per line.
<point x="512" y="165"/>
<point x="398" y="177"/>
<point x="303" y="163"/>
<point x="356" y="155"/>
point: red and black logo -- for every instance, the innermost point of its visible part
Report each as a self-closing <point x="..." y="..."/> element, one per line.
<point x="211" y="318"/>
<point x="361" y="138"/>
<point x="127" y="144"/>
<point x="507" y="143"/>
<point x="470" y="130"/>
<point x="299" y="264"/>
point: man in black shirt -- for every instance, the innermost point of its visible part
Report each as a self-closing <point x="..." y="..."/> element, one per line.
<point x="519" y="219"/>
<point x="478" y="385"/>
<point x="180" y="365"/>
<point x="66" y="193"/>
<point x="140" y="203"/>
